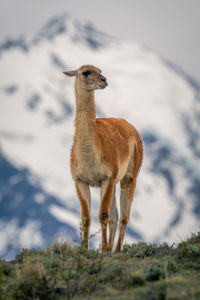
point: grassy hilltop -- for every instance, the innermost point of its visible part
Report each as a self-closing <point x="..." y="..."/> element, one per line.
<point x="140" y="271"/>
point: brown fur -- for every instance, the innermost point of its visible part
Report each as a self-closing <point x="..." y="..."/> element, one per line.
<point x="105" y="151"/>
<point x="86" y="219"/>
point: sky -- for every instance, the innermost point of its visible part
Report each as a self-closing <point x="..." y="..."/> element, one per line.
<point x="169" y="27"/>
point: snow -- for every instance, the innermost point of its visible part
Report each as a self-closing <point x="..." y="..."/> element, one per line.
<point x="27" y="237"/>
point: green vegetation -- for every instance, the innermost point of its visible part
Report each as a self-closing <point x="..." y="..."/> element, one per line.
<point x="140" y="271"/>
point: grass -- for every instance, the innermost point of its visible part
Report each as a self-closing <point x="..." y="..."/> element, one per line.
<point x="140" y="271"/>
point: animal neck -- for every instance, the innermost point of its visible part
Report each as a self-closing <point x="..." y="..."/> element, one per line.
<point x="85" y="115"/>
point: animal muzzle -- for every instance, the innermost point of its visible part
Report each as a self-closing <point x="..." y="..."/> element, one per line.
<point x="103" y="82"/>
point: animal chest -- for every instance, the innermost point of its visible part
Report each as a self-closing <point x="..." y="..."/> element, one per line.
<point x="88" y="165"/>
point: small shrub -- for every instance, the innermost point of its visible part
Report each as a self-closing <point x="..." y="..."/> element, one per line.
<point x="158" y="291"/>
<point x="126" y="248"/>
<point x="194" y="238"/>
<point x="187" y="250"/>
<point x="172" y="266"/>
<point x="61" y="248"/>
<point x="21" y="256"/>
<point x="53" y="264"/>
<point x="28" y="289"/>
<point x="140" y="250"/>
<point x="135" y="279"/>
<point x="111" y="272"/>
<point x="155" y="272"/>
<point x="6" y="268"/>
<point x="144" y="250"/>
<point x="128" y="281"/>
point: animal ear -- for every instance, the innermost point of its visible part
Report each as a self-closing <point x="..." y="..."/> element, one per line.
<point x="70" y="73"/>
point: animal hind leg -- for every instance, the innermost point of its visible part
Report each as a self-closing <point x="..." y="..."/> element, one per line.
<point x="127" y="190"/>
<point x="83" y="192"/>
<point x="112" y="221"/>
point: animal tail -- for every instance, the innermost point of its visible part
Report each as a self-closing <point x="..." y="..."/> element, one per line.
<point x="138" y="155"/>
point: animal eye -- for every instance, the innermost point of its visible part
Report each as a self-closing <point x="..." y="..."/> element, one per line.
<point x="86" y="73"/>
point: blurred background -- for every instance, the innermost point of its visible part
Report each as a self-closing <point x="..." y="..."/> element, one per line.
<point x="148" y="50"/>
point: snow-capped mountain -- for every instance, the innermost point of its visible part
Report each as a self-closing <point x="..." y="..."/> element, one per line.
<point x="37" y="109"/>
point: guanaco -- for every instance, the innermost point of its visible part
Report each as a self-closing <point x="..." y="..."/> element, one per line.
<point x="105" y="151"/>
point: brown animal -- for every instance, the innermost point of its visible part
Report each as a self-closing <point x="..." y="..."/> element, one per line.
<point x="105" y="151"/>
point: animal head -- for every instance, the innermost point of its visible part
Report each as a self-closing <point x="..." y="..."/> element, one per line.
<point x="88" y="78"/>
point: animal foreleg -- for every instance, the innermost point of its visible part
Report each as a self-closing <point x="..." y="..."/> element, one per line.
<point x="83" y="192"/>
<point x="107" y="190"/>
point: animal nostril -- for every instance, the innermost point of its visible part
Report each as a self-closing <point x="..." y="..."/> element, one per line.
<point x="103" y="79"/>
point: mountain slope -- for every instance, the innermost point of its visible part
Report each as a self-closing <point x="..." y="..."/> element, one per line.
<point x="37" y="109"/>
<point x="27" y="212"/>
